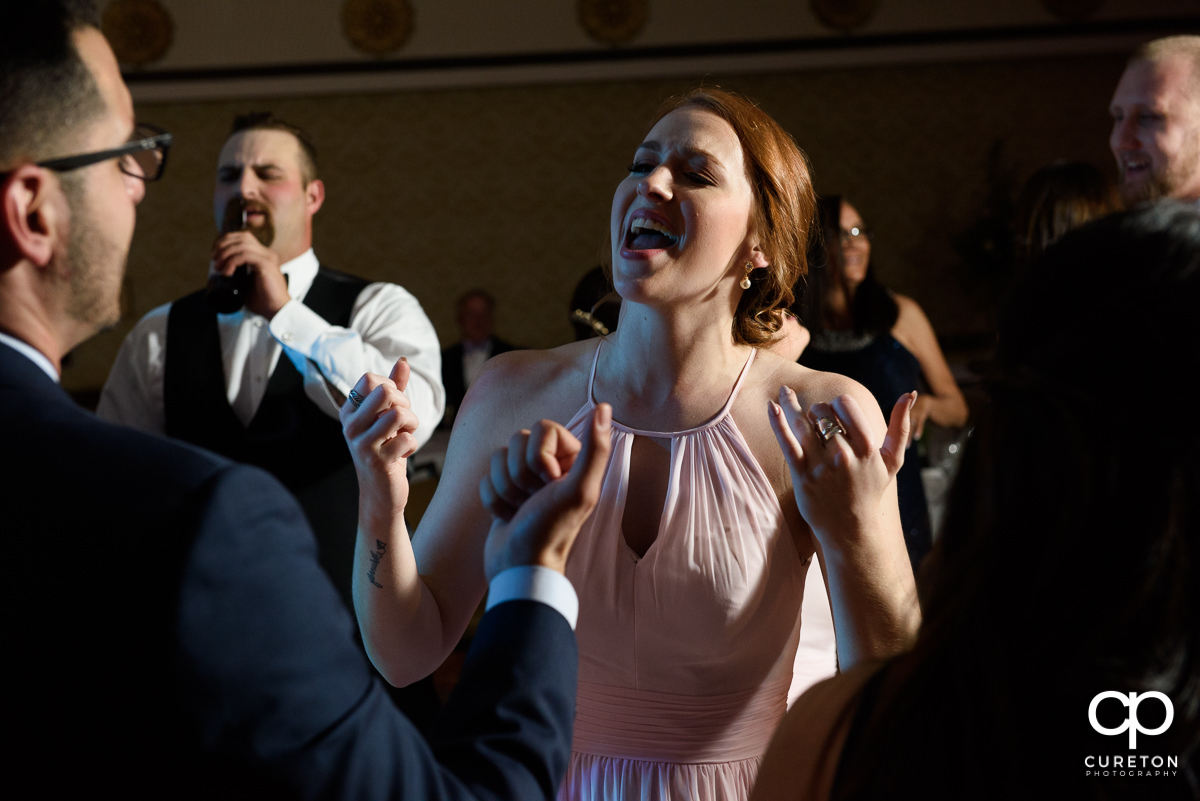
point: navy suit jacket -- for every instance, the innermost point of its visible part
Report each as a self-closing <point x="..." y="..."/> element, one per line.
<point x="172" y="635"/>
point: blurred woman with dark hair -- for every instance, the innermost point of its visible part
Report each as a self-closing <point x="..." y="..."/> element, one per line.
<point x="1058" y="198"/>
<point x="1068" y="571"/>
<point x="882" y="340"/>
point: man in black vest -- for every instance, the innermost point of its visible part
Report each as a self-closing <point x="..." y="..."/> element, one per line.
<point x="262" y="384"/>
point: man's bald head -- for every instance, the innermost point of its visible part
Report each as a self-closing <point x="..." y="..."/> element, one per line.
<point x="1184" y="47"/>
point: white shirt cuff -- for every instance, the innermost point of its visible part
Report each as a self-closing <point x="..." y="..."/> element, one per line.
<point x="297" y="327"/>
<point x="533" y="583"/>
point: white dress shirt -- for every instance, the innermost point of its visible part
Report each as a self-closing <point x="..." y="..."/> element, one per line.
<point x="473" y="358"/>
<point x="386" y="323"/>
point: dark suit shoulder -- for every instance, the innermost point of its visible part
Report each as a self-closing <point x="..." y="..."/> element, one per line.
<point x="154" y="459"/>
<point x="63" y="438"/>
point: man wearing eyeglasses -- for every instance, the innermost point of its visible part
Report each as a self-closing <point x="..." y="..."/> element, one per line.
<point x="169" y="633"/>
<point x="263" y="384"/>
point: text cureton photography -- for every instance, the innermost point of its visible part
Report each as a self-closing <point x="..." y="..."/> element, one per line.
<point x="1131" y="765"/>
<point x="1121" y="709"/>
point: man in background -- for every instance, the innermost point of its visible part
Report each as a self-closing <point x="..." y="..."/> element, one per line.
<point x="170" y="633"/>
<point x="1156" y="121"/>
<point x="475" y="314"/>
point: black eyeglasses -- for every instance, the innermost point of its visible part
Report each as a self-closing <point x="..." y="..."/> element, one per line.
<point x="856" y="234"/>
<point x="143" y="157"/>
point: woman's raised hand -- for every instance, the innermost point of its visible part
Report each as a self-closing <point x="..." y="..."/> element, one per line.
<point x="380" y="428"/>
<point x="540" y="490"/>
<point x="839" y="473"/>
<point x="841" y="476"/>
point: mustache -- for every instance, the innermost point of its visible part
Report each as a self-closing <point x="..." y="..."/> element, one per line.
<point x="234" y="216"/>
<point x="257" y="206"/>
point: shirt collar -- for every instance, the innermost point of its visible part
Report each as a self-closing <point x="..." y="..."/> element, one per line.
<point x="477" y="347"/>
<point x="300" y="273"/>
<point x="33" y="354"/>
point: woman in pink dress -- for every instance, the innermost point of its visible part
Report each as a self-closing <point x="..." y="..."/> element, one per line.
<point x="691" y="569"/>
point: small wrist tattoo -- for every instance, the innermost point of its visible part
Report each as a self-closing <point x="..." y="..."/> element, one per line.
<point x="376" y="555"/>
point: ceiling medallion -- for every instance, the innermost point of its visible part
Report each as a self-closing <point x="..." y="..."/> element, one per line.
<point x="377" y="27"/>
<point x="844" y="14"/>
<point x="613" y="21"/>
<point x="1072" y="10"/>
<point x="139" y="31"/>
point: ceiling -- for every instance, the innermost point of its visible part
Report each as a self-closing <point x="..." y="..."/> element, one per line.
<point x="182" y="49"/>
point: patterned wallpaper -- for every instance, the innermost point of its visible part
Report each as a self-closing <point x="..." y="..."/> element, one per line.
<point x="509" y="188"/>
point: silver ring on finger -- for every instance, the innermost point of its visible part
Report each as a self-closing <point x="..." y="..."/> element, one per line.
<point x="827" y="427"/>
<point x="356" y="399"/>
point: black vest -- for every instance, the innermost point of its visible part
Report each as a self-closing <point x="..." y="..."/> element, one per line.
<point x="289" y="436"/>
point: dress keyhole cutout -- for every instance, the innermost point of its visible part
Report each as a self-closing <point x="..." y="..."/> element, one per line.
<point x="649" y="476"/>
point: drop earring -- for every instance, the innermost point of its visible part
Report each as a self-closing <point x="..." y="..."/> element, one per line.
<point x="746" y="277"/>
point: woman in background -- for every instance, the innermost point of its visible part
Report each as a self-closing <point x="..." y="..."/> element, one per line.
<point x="1069" y="565"/>
<point x="882" y="340"/>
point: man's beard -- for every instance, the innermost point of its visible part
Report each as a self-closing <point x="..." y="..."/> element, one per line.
<point x="1166" y="182"/>
<point x="232" y="220"/>
<point x="94" y="265"/>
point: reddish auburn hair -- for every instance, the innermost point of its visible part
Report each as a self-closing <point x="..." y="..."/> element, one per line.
<point x="784" y="204"/>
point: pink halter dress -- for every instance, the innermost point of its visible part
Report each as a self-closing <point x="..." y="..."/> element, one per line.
<point x="686" y="652"/>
